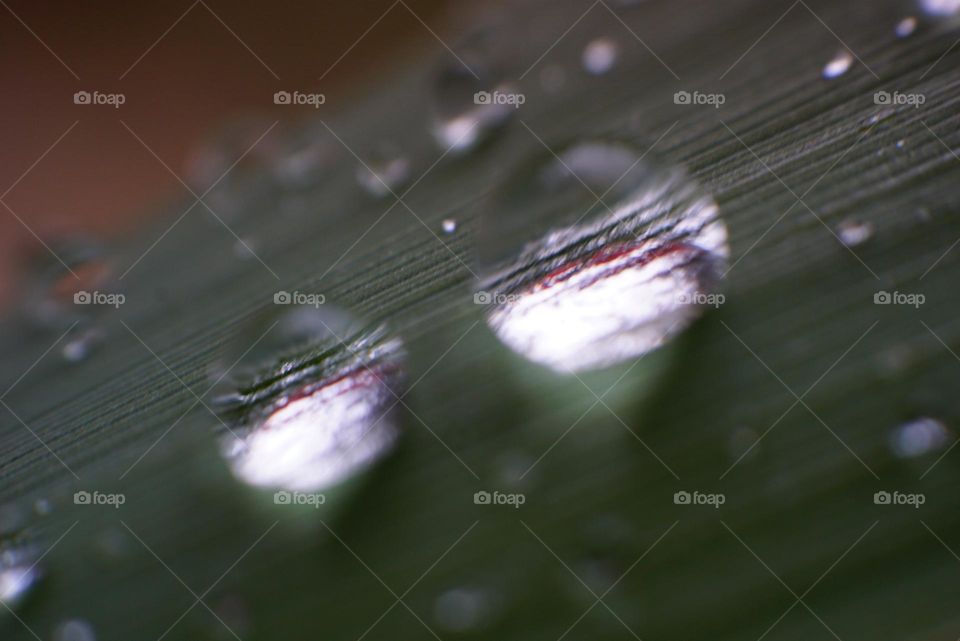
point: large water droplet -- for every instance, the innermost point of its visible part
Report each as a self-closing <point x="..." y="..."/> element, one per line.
<point x="918" y="437"/>
<point x="838" y="65"/>
<point x="598" y="255"/>
<point x="311" y="403"/>
<point x="473" y="96"/>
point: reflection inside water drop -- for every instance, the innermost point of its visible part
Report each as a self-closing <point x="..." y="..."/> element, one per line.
<point x="575" y="283"/>
<point x="312" y="403"/>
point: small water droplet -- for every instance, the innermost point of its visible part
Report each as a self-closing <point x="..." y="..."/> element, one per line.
<point x="901" y="144"/>
<point x="77" y="348"/>
<point x="19" y="572"/>
<point x="575" y="283"/>
<point x="75" y="630"/>
<point x="461" y="609"/>
<point x="918" y="437"/>
<point x="385" y="172"/>
<point x="600" y="55"/>
<point x="941" y="8"/>
<point x="906" y="27"/>
<point x="744" y="442"/>
<point x="244" y="248"/>
<point x="839" y="65"/>
<point x="312" y="403"/>
<point x="449" y="226"/>
<point x="42" y="507"/>
<point x="855" y="232"/>
<point x="473" y="98"/>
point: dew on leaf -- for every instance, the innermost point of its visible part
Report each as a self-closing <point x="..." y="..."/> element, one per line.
<point x="597" y="255"/>
<point x="838" y="65"/>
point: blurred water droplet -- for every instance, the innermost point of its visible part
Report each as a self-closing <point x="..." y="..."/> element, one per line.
<point x="575" y="283"/>
<point x="385" y="172"/>
<point x="839" y="65"/>
<point x="472" y="95"/>
<point x="311" y="404"/>
<point x="61" y="293"/>
<point x="244" y="248"/>
<point x="302" y="159"/>
<point x="941" y="8"/>
<point x="918" y="437"/>
<point x="75" y="630"/>
<point x="42" y="507"/>
<point x="906" y="27"/>
<point x="599" y="56"/>
<point x="855" y="232"/>
<point x="901" y="144"/>
<point x="243" y="143"/>
<point x="744" y="442"/>
<point x="19" y="572"/>
<point x="449" y="226"/>
<point x="461" y="609"/>
<point x="79" y="347"/>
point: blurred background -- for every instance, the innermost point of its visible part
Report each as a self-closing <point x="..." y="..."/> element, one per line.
<point x="186" y="70"/>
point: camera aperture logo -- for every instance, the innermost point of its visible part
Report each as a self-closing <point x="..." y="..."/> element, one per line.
<point x="899" y="298"/>
<point x="97" y="98"/>
<point x="698" y="98"/>
<point x="494" y="298"/>
<point x="886" y="98"/>
<point x="299" y="98"/>
<point x="498" y="498"/>
<point x="98" y="298"/>
<point x="899" y="498"/>
<point x="98" y="498"/>
<point x="314" y="500"/>
<point x="698" y="498"/>
<point x="499" y="98"/>
<point x="298" y="298"/>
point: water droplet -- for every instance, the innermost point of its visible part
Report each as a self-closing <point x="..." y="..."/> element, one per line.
<point x="75" y="630"/>
<point x="303" y="158"/>
<point x="385" y="172"/>
<point x="941" y="8"/>
<point x="901" y="144"/>
<point x="79" y="347"/>
<point x="918" y="437"/>
<point x="18" y="569"/>
<point x="855" y="232"/>
<point x="838" y="65"/>
<point x="599" y="56"/>
<point x="61" y="293"/>
<point x="42" y="507"/>
<point x="906" y="27"/>
<point x="473" y="96"/>
<point x="449" y="226"/>
<point x="312" y="403"/>
<point x="244" y="248"/>
<point x="461" y="609"/>
<point x="597" y="256"/>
